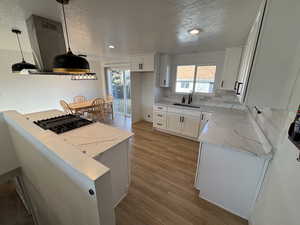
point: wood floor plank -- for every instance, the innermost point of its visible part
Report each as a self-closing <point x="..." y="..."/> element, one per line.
<point x="162" y="191"/>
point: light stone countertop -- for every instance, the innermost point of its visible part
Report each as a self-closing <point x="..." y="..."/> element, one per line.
<point x="92" y="139"/>
<point x="50" y="145"/>
<point x="231" y="128"/>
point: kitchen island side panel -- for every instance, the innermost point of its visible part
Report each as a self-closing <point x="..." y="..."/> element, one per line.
<point x="230" y="179"/>
<point x="117" y="159"/>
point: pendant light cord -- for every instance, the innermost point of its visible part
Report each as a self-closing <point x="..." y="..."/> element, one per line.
<point x="20" y="47"/>
<point x="68" y="41"/>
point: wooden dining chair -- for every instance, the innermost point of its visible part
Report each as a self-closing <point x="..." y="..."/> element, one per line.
<point x="79" y="99"/>
<point x="109" y="109"/>
<point x="97" y="109"/>
<point x="65" y="107"/>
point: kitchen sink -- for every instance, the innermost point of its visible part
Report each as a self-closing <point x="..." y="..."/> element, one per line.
<point x="186" y="105"/>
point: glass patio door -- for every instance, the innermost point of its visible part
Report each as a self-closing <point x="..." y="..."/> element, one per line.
<point x="118" y="83"/>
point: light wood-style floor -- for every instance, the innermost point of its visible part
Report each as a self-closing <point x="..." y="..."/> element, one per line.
<point x="162" y="192"/>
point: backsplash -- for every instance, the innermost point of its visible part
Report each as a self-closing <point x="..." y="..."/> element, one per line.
<point x="220" y="98"/>
<point x="273" y="123"/>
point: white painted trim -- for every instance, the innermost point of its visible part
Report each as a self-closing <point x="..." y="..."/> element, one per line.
<point x="221" y="206"/>
<point x="121" y="199"/>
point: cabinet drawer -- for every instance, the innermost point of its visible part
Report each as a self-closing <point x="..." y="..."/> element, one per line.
<point x="160" y="115"/>
<point x="160" y="124"/>
<point x="160" y="108"/>
<point x="184" y="111"/>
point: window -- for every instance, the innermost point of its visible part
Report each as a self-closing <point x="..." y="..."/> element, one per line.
<point x="185" y="84"/>
<point x="197" y="79"/>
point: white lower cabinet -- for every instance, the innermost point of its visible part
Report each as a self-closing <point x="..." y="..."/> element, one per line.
<point x="190" y="126"/>
<point x="159" y="119"/>
<point x="174" y="122"/>
<point x="230" y="178"/>
<point x="186" y="123"/>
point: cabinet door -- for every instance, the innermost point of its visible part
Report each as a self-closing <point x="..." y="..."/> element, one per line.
<point x="190" y="126"/>
<point x="276" y="62"/>
<point x="248" y="55"/>
<point x="164" y="70"/>
<point x="136" y="63"/>
<point x="174" y="122"/>
<point x="231" y="67"/>
<point x="148" y="63"/>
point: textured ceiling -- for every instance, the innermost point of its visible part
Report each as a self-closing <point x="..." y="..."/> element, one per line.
<point x="137" y="26"/>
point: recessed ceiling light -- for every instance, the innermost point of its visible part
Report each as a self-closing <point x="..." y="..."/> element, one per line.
<point x="111" y="46"/>
<point x="194" y="31"/>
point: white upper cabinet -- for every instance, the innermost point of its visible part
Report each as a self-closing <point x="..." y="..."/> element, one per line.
<point x="231" y="68"/>
<point x="142" y="63"/>
<point x="164" y="70"/>
<point x="268" y="73"/>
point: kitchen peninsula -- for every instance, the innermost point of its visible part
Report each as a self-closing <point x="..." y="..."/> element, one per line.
<point x="89" y="166"/>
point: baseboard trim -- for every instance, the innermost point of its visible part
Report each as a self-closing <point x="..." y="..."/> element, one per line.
<point x="175" y="134"/>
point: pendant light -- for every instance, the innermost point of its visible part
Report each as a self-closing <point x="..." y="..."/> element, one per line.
<point x="69" y="63"/>
<point x="18" y="67"/>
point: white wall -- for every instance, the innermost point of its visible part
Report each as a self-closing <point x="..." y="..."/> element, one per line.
<point x="136" y="97"/>
<point x="147" y="93"/>
<point x="36" y="93"/>
<point x="278" y="203"/>
<point x="8" y="159"/>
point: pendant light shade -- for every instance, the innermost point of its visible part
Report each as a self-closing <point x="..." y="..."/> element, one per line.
<point x="18" y="67"/>
<point x="69" y="63"/>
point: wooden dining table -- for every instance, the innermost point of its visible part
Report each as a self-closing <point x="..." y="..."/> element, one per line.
<point x="85" y="105"/>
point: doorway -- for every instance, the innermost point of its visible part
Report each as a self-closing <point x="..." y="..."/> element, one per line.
<point x="118" y="86"/>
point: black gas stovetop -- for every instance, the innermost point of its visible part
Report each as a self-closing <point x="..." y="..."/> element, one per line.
<point x="61" y="124"/>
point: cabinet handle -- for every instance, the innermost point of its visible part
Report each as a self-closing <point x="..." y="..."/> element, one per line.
<point x="235" y="84"/>
<point x="159" y="115"/>
<point x="238" y="88"/>
<point x="180" y="119"/>
<point x="202" y="116"/>
<point x="222" y="83"/>
<point x="165" y="82"/>
<point x="183" y="119"/>
<point x="159" y="124"/>
<point x="159" y="107"/>
<point x="141" y="66"/>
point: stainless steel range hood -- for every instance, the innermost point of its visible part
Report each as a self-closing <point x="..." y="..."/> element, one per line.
<point x="47" y="41"/>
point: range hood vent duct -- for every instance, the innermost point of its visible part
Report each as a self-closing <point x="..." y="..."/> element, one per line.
<point x="47" y="41"/>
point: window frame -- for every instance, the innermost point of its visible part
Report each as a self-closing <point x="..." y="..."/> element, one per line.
<point x="194" y="80"/>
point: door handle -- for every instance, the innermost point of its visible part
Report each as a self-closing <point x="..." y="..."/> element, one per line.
<point x="181" y="119"/>
<point x="235" y="84"/>
<point x="238" y="88"/>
